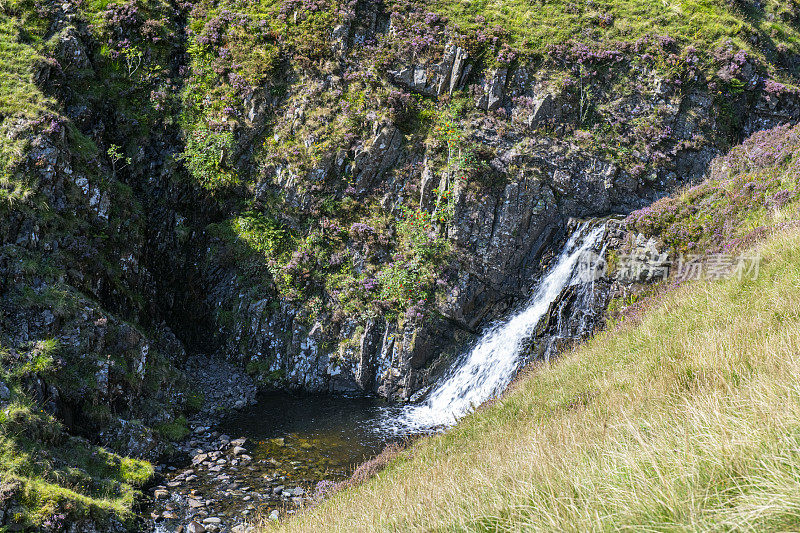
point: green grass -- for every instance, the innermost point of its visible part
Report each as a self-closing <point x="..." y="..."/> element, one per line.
<point x="534" y="25"/>
<point x="57" y="474"/>
<point x="21" y="97"/>
<point x="175" y="430"/>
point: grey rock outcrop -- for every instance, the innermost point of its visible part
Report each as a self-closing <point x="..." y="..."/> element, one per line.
<point x="435" y="79"/>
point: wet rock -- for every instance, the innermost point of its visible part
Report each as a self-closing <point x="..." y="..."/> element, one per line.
<point x="161" y="494"/>
<point x="238" y="450"/>
<point x="195" y="527"/>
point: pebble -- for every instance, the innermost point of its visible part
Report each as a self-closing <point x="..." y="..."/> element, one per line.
<point x="212" y="520"/>
<point x="161" y="494"/>
<point x="195" y="527"/>
<point x="274" y="515"/>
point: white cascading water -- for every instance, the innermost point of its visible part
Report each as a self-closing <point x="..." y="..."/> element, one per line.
<point x="492" y="363"/>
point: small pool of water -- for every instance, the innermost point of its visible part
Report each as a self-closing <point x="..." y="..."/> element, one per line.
<point x="267" y="459"/>
<point x="327" y="436"/>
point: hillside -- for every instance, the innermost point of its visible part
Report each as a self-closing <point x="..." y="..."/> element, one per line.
<point x="682" y="417"/>
<point x="686" y="421"/>
<point x="204" y="200"/>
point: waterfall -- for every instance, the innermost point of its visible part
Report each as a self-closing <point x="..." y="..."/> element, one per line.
<point x="488" y="368"/>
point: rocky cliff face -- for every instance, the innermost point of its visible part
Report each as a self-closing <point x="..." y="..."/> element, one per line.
<point x="531" y="170"/>
<point x="515" y="163"/>
<point x="330" y="197"/>
<point x="336" y="200"/>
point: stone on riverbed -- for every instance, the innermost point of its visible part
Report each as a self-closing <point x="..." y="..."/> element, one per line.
<point x="199" y="458"/>
<point x="195" y="527"/>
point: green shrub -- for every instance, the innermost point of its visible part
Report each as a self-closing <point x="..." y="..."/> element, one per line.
<point x="207" y="156"/>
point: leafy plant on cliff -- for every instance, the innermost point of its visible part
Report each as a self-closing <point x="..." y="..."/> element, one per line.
<point x="205" y="157"/>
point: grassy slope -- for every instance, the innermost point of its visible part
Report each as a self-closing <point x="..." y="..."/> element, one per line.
<point x="687" y="420"/>
<point x="52" y="476"/>
<point x="706" y="24"/>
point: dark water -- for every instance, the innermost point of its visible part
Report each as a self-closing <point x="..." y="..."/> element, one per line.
<point x="311" y="437"/>
<point x="293" y="443"/>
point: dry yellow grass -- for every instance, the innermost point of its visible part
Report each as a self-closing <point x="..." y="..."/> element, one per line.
<point x="688" y="421"/>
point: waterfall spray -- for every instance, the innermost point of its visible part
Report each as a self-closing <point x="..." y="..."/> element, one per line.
<point x="487" y="369"/>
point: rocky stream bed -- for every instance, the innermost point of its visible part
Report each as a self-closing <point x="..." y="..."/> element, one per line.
<point x="263" y="462"/>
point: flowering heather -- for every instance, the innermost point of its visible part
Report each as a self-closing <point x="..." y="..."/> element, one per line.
<point x="506" y="55"/>
<point x="587" y="55"/>
<point x="50" y="123"/>
<point x="361" y="230"/>
<point x="775" y="88"/>
<point x="751" y="181"/>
